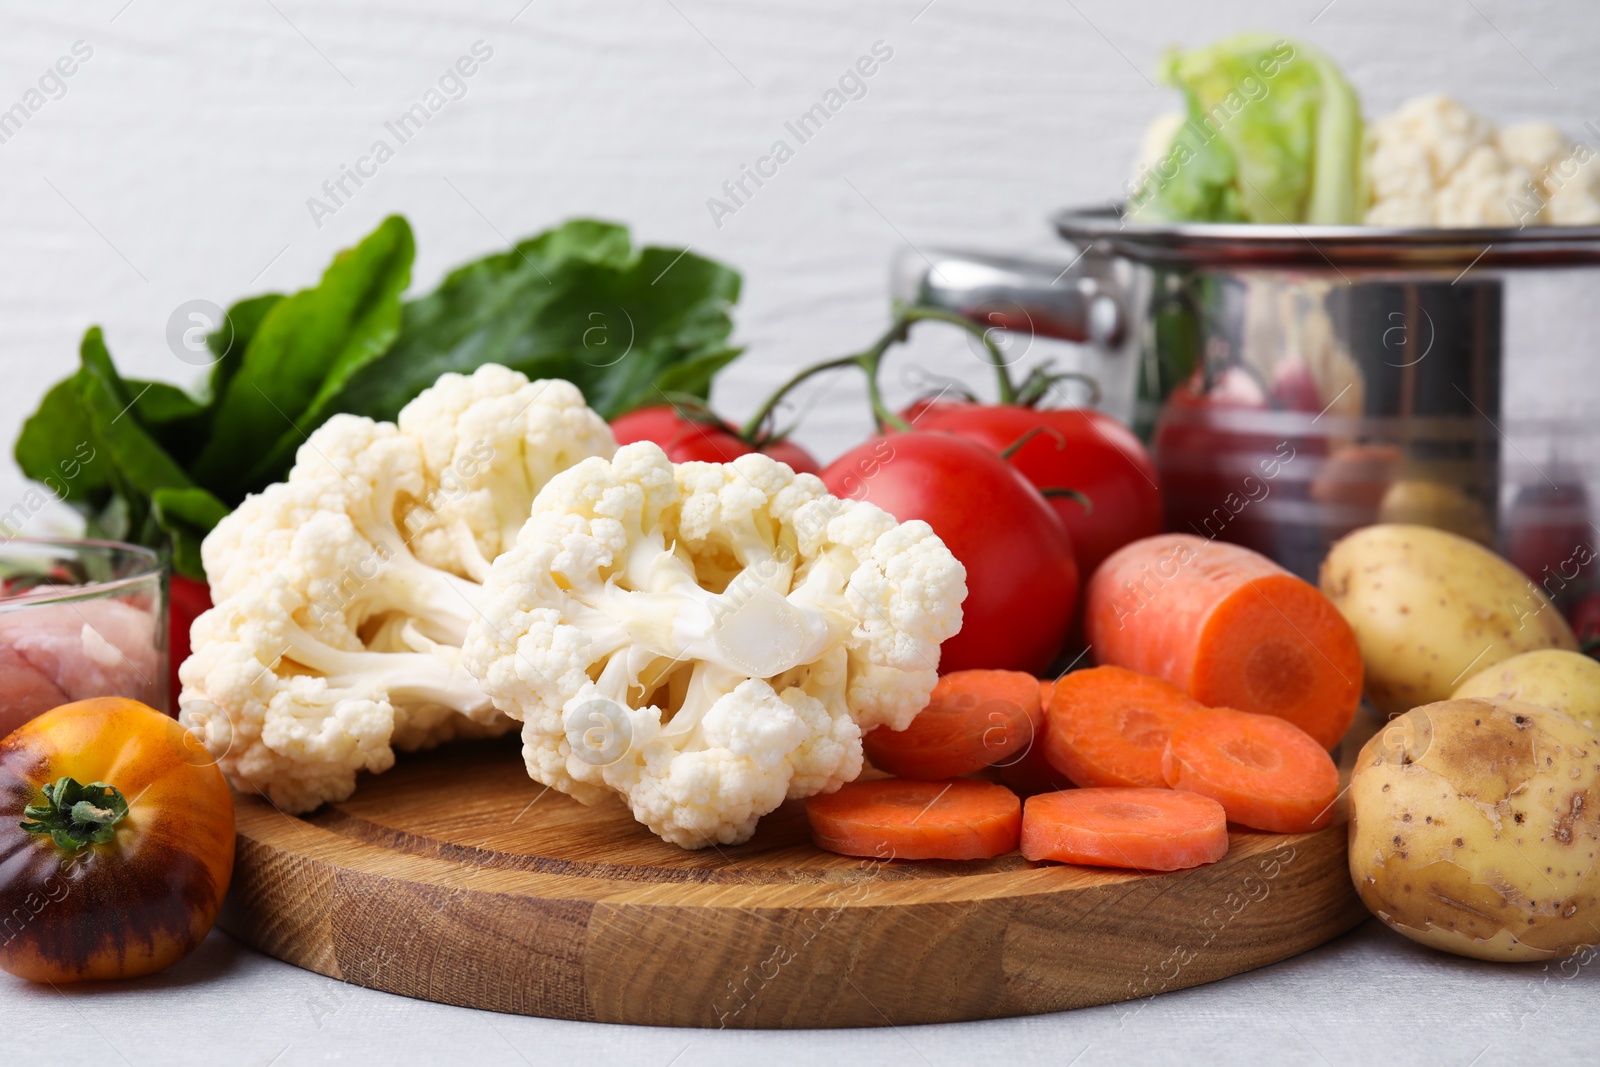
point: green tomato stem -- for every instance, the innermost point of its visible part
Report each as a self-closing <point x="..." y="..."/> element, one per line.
<point x="870" y="361"/>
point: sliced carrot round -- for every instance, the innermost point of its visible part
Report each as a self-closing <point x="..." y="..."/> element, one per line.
<point x="973" y="719"/>
<point x="1140" y="829"/>
<point x="1107" y="726"/>
<point x="1266" y="772"/>
<point x="898" y="818"/>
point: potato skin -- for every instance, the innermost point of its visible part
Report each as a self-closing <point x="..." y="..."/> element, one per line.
<point x="1475" y="828"/>
<point x="1427" y="607"/>
<point x="1550" y="677"/>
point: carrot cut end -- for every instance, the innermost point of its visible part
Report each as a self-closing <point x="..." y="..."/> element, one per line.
<point x="1277" y="646"/>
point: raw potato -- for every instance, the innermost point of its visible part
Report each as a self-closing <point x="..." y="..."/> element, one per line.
<point x="1435" y="504"/>
<point x="1475" y="828"/>
<point x="1428" y="608"/>
<point x="1551" y="678"/>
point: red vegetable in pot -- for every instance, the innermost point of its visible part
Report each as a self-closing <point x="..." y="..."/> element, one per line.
<point x="1224" y="445"/>
<point x="1022" y="575"/>
<point x="1585" y="619"/>
<point x="1549" y="536"/>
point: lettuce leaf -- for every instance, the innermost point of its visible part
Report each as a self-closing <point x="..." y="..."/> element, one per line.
<point x="1271" y="134"/>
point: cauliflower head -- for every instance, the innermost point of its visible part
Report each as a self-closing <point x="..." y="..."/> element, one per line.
<point x="708" y="639"/>
<point x="343" y="594"/>
<point x="1434" y="162"/>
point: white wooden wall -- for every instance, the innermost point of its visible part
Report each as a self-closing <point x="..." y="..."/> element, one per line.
<point x="179" y="157"/>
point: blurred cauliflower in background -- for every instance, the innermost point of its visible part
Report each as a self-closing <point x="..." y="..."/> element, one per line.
<point x="1434" y="162"/>
<point x="1271" y="132"/>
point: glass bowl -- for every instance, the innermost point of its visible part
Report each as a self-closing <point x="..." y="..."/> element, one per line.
<point x="79" y="619"/>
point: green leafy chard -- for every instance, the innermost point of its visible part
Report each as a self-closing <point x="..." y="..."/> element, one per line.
<point x="576" y="302"/>
<point x="149" y="462"/>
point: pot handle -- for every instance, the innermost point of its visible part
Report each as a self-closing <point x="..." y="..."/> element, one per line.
<point x="1077" y="301"/>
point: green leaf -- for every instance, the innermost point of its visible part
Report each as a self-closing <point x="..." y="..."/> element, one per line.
<point x="133" y="463"/>
<point x="187" y="515"/>
<point x="303" y="351"/>
<point x="692" y="376"/>
<point x="179" y="423"/>
<point x="590" y="240"/>
<point x="109" y="402"/>
<point x="230" y="343"/>
<point x="56" y="447"/>
<point x="571" y="303"/>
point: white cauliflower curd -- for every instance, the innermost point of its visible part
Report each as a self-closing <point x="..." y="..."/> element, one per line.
<point x="708" y="639"/>
<point x="343" y="594"/>
<point x="1436" y="163"/>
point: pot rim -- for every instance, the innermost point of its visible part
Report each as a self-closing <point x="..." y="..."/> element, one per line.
<point x="1199" y="244"/>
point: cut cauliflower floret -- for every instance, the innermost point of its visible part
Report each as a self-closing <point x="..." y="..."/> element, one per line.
<point x="1436" y="163"/>
<point x="296" y="716"/>
<point x="463" y="465"/>
<point x="708" y="639"/>
<point x="334" y="641"/>
<point x="489" y="442"/>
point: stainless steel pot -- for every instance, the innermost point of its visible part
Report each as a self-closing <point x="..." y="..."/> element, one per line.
<point x="1296" y="382"/>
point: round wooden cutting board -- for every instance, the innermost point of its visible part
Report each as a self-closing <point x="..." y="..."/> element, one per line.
<point x="455" y="878"/>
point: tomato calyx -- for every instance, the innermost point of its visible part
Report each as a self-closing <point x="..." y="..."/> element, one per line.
<point x="1043" y="378"/>
<point x="1049" y="492"/>
<point x="1016" y="446"/>
<point x="76" y="815"/>
<point x="1057" y="492"/>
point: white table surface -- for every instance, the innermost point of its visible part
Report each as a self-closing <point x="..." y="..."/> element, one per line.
<point x="1369" y="998"/>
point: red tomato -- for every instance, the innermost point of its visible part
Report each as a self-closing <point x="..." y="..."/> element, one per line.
<point x="685" y="440"/>
<point x="187" y="600"/>
<point x="1080" y="449"/>
<point x="659" y="424"/>
<point x="1022" y="577"/>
